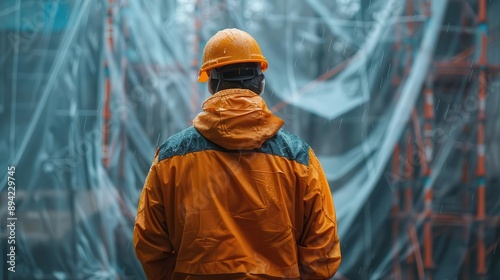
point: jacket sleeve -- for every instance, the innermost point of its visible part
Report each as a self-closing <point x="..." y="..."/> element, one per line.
<point x="319" y="246"/>
<point x="152" y="245"/>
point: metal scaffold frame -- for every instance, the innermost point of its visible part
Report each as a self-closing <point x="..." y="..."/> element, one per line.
<point x="419" y="254"/>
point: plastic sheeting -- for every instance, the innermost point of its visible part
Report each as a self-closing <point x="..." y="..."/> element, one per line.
<point x="88" y="89"/>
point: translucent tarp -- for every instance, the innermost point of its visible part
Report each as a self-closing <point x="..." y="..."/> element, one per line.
<point x="88" y="90"/>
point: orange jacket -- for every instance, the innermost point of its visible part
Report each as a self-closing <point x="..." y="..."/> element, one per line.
<point x="236" y="197"/>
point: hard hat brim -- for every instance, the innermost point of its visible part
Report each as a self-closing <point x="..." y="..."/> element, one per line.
<point x="203" y="77"/>
<point x="203" y="74"/>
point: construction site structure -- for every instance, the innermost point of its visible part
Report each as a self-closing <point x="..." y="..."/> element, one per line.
<point x="473" y="226"/>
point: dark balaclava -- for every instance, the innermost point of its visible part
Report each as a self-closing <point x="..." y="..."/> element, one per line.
<point x="242" y="75"/>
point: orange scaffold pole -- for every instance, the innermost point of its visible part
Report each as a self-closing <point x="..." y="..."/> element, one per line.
<point x="482" y="28"/>
<point x="107" y="87"/>
<point x="427" y="171"/>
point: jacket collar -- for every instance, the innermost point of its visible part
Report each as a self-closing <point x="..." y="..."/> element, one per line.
<point x="237" y="119"/>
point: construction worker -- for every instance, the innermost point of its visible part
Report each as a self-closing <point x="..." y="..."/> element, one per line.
<point x="236" y="196"/>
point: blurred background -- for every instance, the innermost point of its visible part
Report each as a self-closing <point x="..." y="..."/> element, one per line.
<point x="399" y="99"/>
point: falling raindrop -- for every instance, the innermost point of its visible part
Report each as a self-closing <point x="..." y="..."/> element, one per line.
<point x="446" y="112"/>
<point x="471" y="72"/>
<point x="158" y="139"/>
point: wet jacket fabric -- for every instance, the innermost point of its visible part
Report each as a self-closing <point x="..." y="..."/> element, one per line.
<point x="236" y="196"/>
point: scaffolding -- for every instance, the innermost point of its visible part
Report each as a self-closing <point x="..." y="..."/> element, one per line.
<point x="476" y="226"/>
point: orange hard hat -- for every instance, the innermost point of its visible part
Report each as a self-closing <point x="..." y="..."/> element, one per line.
<point x="230" y="46"/>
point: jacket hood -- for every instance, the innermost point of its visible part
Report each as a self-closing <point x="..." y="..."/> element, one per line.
<point x="237" y="119"/>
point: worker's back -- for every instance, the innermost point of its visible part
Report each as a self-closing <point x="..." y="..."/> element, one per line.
<point x="236" y="196"/>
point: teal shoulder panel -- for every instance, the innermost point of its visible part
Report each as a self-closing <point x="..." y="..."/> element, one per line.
<point x="288" y="145"/>
<point x="187" y="141"/>
<point x="283" y="144"/>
